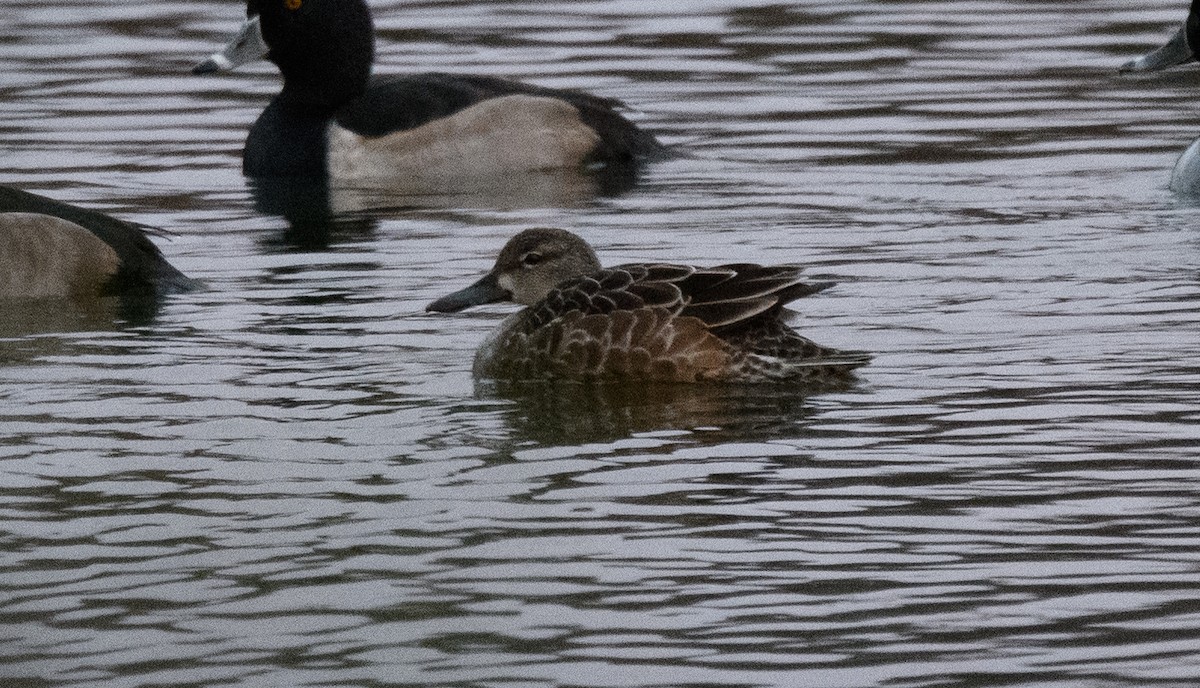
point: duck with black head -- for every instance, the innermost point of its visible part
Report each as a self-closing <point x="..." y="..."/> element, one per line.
<point x="1179" y="49"/>
<point x="333" y="121"/>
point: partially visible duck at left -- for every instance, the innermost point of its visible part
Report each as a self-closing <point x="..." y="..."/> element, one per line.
<point x="335" y="122"/>
<point x="1179" y="49"/>
<point x="53" y="250"/>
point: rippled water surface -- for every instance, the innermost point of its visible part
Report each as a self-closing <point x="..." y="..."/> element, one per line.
<point x="290" y="478"/>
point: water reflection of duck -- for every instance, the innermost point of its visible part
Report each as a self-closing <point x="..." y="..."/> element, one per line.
<point x="1181" y="48"/>
<point x="55" y="250"/>
<point x="670" y="323"/>
<point x="429" y="132"/>
<point x="571" y="415"/>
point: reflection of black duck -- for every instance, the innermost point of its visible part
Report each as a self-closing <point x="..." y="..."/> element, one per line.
<point x="1181" y="48"/>
<point x="56" y="250"/>
<point x="669" y="323"/>
<point x="333" y="121"/>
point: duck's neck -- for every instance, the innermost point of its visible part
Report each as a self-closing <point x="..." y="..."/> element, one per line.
<point x="320" y="96"/>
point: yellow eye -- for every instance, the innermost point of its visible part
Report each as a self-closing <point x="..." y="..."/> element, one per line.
<point x="293" y="4"/>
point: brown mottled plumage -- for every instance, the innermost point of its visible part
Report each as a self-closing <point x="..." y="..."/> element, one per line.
<point x="671" y="323"/>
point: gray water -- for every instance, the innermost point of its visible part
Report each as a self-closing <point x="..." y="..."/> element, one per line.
<point x="291" y="479"/>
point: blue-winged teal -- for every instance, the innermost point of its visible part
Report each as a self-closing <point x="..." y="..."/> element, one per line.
<point x="333" y="120"/>
<point x="1181" y="48"/>
<point x="52" y="249"/>
<point x="647" y="321"/>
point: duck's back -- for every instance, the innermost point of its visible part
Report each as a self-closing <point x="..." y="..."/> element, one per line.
<point x="132" y="262"/>
<point x="671" y="323"/>
<point x="400" y="103"/>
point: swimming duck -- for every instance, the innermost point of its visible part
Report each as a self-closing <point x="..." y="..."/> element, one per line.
<point x="334" y="121"/>
<point x="56" y="250"/>
<point x="643" y="321"/>
<point x="1180" y="49"/>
